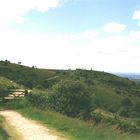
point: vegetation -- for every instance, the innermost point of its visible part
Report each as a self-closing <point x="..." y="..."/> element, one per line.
<point x="6" y="131"/>
<point x="6" y="85"/>
<point x="75" y="129"/>
<point x="70" y="98"/>
<point x="3" y="133"/>
<point x="100" y="98"/>
<point x="29" y="77"/>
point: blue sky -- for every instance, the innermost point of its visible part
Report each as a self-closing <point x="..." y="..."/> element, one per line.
<point x="99" y="34"/>
<point x="80" y="15"/>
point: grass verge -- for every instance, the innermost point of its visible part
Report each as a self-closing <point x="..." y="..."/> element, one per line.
<point x="3" y="134"/>
<point x="75" y="129"/>
<point x="6" y="131"/>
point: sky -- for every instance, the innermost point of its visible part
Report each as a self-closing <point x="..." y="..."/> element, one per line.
<point x="101" y="35"/>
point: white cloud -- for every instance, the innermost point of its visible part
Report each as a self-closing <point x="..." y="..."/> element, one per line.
<point x="136" y="15"/>
<point x="89" y="34"/>
<point x="15" y="10"/>
<point x="111" y="53"/>
<point x="114" y="27"/>
<point x="138" y="23"/>
<point x="83" y="50"/>
<point x="44" y="5"/>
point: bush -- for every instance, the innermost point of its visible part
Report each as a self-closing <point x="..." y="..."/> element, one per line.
<point x="124" y="111"/>
<point x="38" y="99"/>
<point x="126" y="102"/>
<point x="70" y="98"/>
<point x="128" y="127"/>
<point x="47" y="83"/>
<point x="137" y="107"/>
<point x="4" y="91"/>
<point x="13" y="104"/>
<point x="97" y="117"/>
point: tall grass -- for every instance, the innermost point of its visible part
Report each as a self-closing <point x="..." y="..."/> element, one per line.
<point x="3" y="134"/>
<point x="6" y="131"/>
<point x="75" y="129"/>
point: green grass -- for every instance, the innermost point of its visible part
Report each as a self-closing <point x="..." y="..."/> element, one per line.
<point x="23" y="75"/>
<point x="4" y="82"/>
<point x="75" y="129"/>
<point x="6" y="85"/>
<point x="3" y="133"/>
<point x="107" y="97"/>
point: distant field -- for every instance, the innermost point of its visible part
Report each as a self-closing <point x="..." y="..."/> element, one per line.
<point x="136" y="80"/>
<point x="131" y="76"/>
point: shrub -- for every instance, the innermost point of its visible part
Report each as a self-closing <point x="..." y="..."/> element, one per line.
<point x="4" y="91"/>
<point x="128" y="127"/>
<point x="126" y="102"/>
<point x="124" y="111"/>
<point x="137" y="107"/>
<point x="47" y="83"/>
<point x="97" y="117"/>
<point x="38" y="99"/>
<point x="70" y="98"/>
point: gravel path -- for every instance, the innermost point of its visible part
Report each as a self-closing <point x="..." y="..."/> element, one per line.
<point x="28" y="129"/>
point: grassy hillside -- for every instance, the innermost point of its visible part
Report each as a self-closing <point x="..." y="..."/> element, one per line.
<point x="86" y="94"/>
<point x="108" y="90"/>
<point x="5" y="82"/>
<point x="29" y="77"/>
<point x="6" y="85"/>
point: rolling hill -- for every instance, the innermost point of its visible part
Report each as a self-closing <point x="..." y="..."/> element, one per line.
<point x="68" y="91"/>
<point x="108" y="89"/>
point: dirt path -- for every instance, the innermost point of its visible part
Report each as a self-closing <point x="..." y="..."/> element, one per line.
<point x="28" y="129"/>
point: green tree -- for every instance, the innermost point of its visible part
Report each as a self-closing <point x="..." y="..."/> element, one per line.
<point x="126" y="102"/>
<point x="4" y="92"/>
<point x="137" y="107"/>
<point x="70" y="97"/>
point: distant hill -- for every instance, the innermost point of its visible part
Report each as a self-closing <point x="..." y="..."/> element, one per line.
<point x="132" y="76"/>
